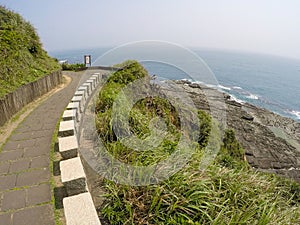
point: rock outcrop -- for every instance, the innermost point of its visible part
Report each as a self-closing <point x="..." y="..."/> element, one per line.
<point x="271" y="142"/>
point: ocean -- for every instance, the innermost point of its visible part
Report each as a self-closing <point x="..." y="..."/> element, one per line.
<point x="270" y="82"/>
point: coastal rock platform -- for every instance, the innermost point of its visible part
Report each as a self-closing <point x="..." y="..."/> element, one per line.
<point x="271" y="142"/>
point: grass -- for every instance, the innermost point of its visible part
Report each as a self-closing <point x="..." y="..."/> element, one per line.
<point x="22" y="58"/>
<point x="228" y="192"/>
<point x="219" y="196"/>
<point x="57" y="212"/>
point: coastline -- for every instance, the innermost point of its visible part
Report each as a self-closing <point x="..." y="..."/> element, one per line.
<point x="268" y="82"/>
<point x="271" y="141"/>
<point x="266" y="138"/>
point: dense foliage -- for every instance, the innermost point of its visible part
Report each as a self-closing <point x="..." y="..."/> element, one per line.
<point x="73" y="67"/>
<point x="228" y="192"/>
<point x="22" y="58"/>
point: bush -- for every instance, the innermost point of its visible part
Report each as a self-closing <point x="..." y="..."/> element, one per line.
<point x="73" y="67"/>
<point x="231" y="153"/>
<point x="140" y="116"/>
<point x="129" y="71"/>
<point x="205" y="128"/>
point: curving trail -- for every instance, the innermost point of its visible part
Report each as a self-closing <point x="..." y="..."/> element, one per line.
<point x="25" y="193"/>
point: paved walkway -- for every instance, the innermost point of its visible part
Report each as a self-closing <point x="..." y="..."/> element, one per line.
<point x="25" y="193"/>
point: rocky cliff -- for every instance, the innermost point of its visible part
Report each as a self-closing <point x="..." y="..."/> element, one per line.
<point x="271" y="142"/>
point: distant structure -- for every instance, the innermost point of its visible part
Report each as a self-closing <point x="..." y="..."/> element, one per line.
<point x="88" y="60"/>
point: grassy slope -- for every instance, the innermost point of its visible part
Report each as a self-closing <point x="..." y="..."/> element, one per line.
<point x="22" y="59"/>
<point x="228" y="192"/>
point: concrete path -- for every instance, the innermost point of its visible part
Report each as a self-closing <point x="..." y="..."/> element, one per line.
<point x="25" y="193"/>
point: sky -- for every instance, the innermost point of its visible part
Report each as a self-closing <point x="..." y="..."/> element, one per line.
<point x="261" y="26"/>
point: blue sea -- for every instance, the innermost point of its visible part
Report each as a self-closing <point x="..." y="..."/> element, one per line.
<point x="266" y="81"/>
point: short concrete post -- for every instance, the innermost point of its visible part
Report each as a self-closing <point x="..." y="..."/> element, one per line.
<point x="73" y="176"/>
<point x="75" y="106"/>
<point x="96" y="76"/>
<point x="81" y="93"/>
<point x="80" y="100"/>
<point x="69" y="115"/>
<point x="92" y="83"/>
<point x="95" y="79"/>
<point x="80" y="210"/>
<point x="66" y="128"/>
<point x="89" y="87"/>
<point x="68" y="147"/>
<point x="85" y="89"/>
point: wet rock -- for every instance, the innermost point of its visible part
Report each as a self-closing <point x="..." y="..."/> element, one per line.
<point x="193" y="85"/>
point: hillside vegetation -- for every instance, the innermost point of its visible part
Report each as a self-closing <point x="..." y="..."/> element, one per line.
<point x="228" y="192"/>
<point x="22" y="58"/>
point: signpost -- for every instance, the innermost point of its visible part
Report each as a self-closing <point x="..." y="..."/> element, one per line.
<point x="87" y="60"/>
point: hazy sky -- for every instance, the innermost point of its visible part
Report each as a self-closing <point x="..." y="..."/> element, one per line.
<point x="266" y="26"/>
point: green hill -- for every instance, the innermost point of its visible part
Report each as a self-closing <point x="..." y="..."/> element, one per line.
<point x="228" y="192"/>
<point x="22" y="58"/>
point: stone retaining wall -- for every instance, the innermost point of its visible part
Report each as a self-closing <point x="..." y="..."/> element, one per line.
<point x="15" y="101"/>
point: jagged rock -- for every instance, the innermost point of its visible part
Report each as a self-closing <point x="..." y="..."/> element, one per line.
<point x="234" y="103"/>
<point x="271" y="142"/>
<point x="247" y="117"/>
<point x="193" y="85"/>
<point x="183" y="82"/>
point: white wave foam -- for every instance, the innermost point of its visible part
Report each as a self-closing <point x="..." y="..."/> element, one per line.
<point x="237" y="87"/>
<point x="192" y="81"/>
<point x="224" y="88"/>
<point x="210" y="85"/>
<point x="219" y="87"/>
<point x="252" y="96"/>
<point x="198" y="82"/>
<point x="295" y="113"/>
<point x="233" y="98"/>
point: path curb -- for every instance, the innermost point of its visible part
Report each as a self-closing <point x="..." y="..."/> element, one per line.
<point x="79" y="207"/>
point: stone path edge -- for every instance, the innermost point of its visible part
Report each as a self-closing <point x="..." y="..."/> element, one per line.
<point x="75" y="179"/>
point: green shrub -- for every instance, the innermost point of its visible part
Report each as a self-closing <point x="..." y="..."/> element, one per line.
<point x="231" y="154"/>
<point x="73" y="67"/>
<point x="129" y="71"/>
<point x="205" y="128"/>
<point x="140" y="117"/>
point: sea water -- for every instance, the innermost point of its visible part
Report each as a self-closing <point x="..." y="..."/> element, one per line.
<point x="266" y="81"/>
